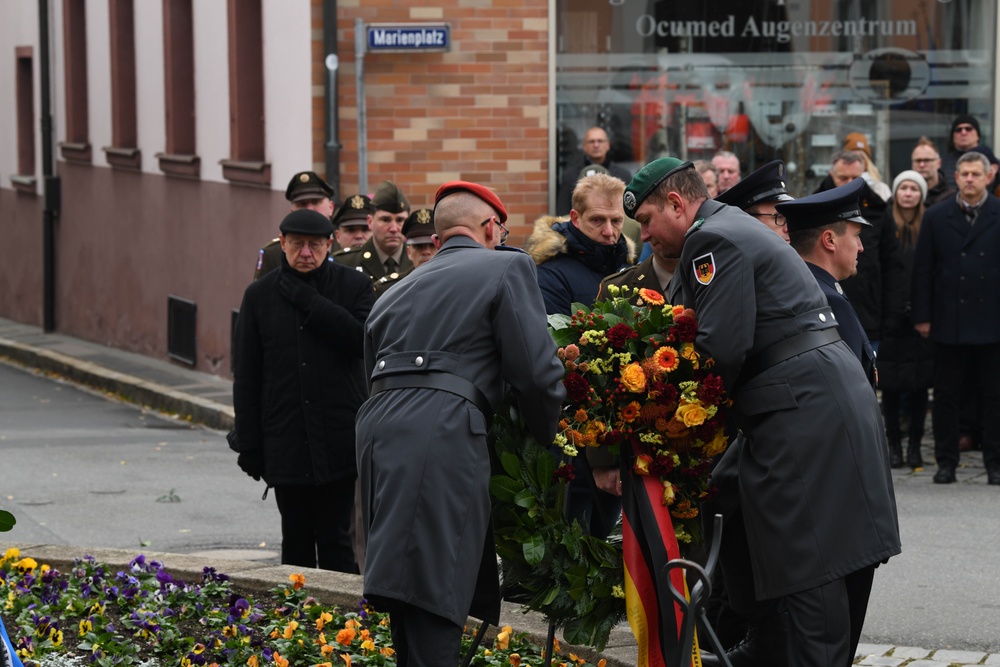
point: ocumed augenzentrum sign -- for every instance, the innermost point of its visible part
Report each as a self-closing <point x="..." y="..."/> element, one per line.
<point x="409" y="37"/>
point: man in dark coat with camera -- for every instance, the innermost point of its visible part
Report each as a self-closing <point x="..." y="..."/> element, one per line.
<point x="810" y="466"/>
<point x="298" y="383"/>
<point x="421" y="437"/>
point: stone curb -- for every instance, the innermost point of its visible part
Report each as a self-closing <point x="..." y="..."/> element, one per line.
<point x="127" y="387"/>
<point x="343" y="590"/>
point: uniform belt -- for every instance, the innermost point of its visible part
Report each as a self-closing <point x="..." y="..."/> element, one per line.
<point x="784" y="350"/>
<point x="437" y="380"/>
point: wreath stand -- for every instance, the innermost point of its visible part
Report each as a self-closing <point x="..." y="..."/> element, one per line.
<point x="692" y="607"/>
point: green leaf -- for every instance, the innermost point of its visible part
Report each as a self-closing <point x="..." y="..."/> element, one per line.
<point x="575" y="307"/>
<point x="534" y="550"/>
<point x="7" y="521"/>
<point x="525" y="498"/>
<point x="544" y="467"/>
<point x="559" y="321"/>
<point x="505" y="489"/>
<point x="511" y="464"/>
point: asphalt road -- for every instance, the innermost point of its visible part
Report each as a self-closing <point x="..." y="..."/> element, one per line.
<point x="79" y="469"/>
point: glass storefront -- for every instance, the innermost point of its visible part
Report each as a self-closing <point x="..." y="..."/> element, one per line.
<point x="770" y="79"/>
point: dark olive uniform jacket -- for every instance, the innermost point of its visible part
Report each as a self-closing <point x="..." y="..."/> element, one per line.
<point x="365" y="259"/>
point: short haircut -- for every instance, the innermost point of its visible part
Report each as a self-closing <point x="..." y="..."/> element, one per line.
<point x="848" y="157"/>
<point x="926" y="141"/>
<point x="974" y="156"/>
<point x="726" y="154"/>
<point x="688" y="183"/>
<point x="804" y="240"/>
<point x="460" y="209"/>
<point x="601" y="185"/>
<point x="704" y="165"/>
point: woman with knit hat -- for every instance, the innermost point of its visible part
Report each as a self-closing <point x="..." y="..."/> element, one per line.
<point x="905" y="360"/>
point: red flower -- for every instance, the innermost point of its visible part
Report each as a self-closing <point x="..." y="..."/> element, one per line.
<point x="564" y="471"/>
<point x="711" y="390"/>
<point x="620" y="334"/>
<point x="685" y="328"/>
<point x="577" y="388"/>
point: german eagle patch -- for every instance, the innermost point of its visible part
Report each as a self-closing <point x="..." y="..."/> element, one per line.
<point x="704" y="268"/>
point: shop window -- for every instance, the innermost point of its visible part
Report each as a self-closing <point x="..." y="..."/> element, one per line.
<point x="76" y="147"/>
<point x="246" y="95"/>
<point x="24" y="180"/>
<point x="769" y="80"/>
<point x="179" y="158"/>
<point x="123" y="151"/>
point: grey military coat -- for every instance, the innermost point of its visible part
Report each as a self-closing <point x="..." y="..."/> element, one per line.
<point x="810" y="463"/>
<point x="423" y="462"/>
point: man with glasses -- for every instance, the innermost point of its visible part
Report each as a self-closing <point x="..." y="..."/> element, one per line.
<point x="298" y="381"/>
<point x="965" y="136"/>
<point x="758" y="193"/>
<point x="305" y="190"/>
<point x="442" y="346"/>
<point x="926" y="161"/>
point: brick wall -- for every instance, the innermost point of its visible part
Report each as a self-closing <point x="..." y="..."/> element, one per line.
<point x="477" y="113"/>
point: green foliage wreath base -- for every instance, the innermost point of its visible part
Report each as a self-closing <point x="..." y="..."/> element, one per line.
<point x="549" y="565"/>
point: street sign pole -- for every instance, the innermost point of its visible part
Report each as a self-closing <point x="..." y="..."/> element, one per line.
<point x="360" y="39"/>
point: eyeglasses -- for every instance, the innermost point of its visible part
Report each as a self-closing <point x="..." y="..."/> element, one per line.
<point x="503" y="230"/>
<point x="314" y="246"/>
<point x="777" y="219"/>
<point x="924" y="160"/>
<point x="964" y="128"/>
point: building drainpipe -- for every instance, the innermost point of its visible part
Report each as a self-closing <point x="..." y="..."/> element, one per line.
<point x="51" y="181"/>
<point x="332" y="65"/>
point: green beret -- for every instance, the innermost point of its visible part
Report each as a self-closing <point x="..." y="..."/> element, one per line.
<point x="388" y="197"/>
<point x="648" y="179"/>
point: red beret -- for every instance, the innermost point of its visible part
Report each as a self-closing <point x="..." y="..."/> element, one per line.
<point x="480" y="191"/>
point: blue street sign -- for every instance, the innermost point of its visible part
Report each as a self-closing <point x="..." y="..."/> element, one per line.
<point x="407" y="37"/>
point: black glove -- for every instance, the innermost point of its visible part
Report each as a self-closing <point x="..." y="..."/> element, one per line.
<point x="252" y="463"/>
<point x="297" y="292"/>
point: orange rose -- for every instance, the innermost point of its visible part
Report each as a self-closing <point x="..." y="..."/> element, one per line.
<point x="642" y="463"/>
<point x="692" y="414"/>
<point x="634" y="378"/>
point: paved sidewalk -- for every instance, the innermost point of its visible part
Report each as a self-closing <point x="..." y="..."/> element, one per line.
<point x="207" y="399"/>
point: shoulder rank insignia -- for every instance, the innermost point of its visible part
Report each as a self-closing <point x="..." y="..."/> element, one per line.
<point x="695" y="226"/>
<point x="704" y="268"/>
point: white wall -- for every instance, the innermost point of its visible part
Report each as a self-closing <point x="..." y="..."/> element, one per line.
<point x="211" y="86"/>
<point x="150" y="119"/>
<point x="98" y="78"/>
<point x="287" y="89"/>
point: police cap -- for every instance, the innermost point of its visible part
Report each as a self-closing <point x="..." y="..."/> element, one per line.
<point x="306" y="221"/>
<point x="648" y="179"/>
<point x="823" y="208"/>
<point x="419" y="227"/>
<point x="307" y="185"/>
<point x="353" y="212"/>
<point x="766" y="184"/>
<point x="388" y="197"/>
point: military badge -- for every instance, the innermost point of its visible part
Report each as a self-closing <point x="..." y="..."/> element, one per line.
<point x="704" y="268"/>
<point x="423" y="216"/>
<point x="628" y="200"/>
<point x="357" y="201"/>
<point x="304" y="178"/>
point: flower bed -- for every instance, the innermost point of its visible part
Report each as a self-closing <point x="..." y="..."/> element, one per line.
<point x="140" y="614"/>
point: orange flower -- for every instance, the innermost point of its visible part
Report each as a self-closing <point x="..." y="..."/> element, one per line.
<point x="718" y="444"/>
<point x="290" y="629"/>
<point x="387" y="651"/>
<point x="668" y="493"/>
<point x="630" y="412"/>
<point x="572" y="352"/>
<point x="602" y="663"/>
<point x="278" y="660"/>
<point x="352" y="623"/>
<point x="652" y="297"/>
<point x="367" y="645"/>
<point x="515" y="659"/>
<point x="252" y="661"/>
<point x="581" y="415"/>
<point x="692" y="414"/>
<point x="326" y="650"/>
<point x="642" y="462"/>
<point x="666" y="358"/>
<point x="298" y="580"/>
<point x="346" y="636"/>
<point x="634" y="378"/>
<point x="323" y="619"/>
<point x="676" y="429"/>
<point x="347" y="658"/>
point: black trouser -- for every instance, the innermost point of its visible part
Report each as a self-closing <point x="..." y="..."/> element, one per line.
<point x="916" y="408"/>
<point x="824" y="623"/>
<point x="950" y="377"/>
<point x="423" y="639"/>
<point x="316" y="525"/>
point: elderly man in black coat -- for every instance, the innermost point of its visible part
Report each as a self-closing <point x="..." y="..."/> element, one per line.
<point x="956" y="302"/>
<point x="297" y="386"/>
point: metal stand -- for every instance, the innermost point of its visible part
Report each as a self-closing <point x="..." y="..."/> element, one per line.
<point x="693" y="609"/>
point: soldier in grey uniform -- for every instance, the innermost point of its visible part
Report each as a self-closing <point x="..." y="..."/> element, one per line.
<point x="421" y="436"/>
<point x="305" y="190"/>
<point x="810" y="465"/>
<point x="382" y="255"/>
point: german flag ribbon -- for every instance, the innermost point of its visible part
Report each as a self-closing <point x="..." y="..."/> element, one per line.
<point x="648" y="543"/>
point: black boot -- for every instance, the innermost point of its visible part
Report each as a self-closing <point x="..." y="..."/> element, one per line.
<point x="895" y="453"/>
<point x="766" y="645"/>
